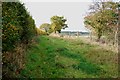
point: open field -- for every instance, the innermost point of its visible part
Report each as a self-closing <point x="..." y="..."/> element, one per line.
<point x="51" y="57"/>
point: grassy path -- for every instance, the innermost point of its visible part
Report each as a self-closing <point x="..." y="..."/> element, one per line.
<point x="53" y="57"/>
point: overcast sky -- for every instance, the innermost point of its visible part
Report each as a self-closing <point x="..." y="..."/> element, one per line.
<point x="74" y="12"/>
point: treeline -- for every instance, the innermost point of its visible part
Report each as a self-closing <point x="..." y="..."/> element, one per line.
<point x="57" y="23"/>
<point x="103" y="20"/>
<point x="18" y="30"/>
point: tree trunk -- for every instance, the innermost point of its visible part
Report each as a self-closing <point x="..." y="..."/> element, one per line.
<point x="91" y="36"/>
<point x="116" y="36"/>
<point x="99" y="34"/>
<point x="117" y="31"/>
<point x="55" y="32"/>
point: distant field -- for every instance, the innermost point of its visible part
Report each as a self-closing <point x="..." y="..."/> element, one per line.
<point x="52" y="57"/>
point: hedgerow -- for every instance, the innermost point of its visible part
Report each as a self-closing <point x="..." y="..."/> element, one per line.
<point x="18" y="30"/>
<point x="18" y="25"/>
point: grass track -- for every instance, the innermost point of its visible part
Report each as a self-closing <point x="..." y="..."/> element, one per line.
<point x="54" y="57"/>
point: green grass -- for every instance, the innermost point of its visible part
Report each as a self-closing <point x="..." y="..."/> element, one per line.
<point x="53" y="57"/>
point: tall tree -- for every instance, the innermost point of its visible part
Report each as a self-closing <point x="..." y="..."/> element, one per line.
<point x="103" y="18"/>
<point x="58" y="23"/>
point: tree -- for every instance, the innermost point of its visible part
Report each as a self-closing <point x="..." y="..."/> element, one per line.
<point x="58" y="23"/>
<point x="103" y="18"/>
<point x="95" y="24"/>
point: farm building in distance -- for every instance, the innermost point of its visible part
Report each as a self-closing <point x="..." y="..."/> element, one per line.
<point x="75" y="33"/>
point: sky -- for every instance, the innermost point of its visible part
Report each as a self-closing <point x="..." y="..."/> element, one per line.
<point x="74" y="11"/>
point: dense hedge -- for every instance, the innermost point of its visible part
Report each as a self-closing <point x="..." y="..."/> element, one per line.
<point x="18" y="25"/>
